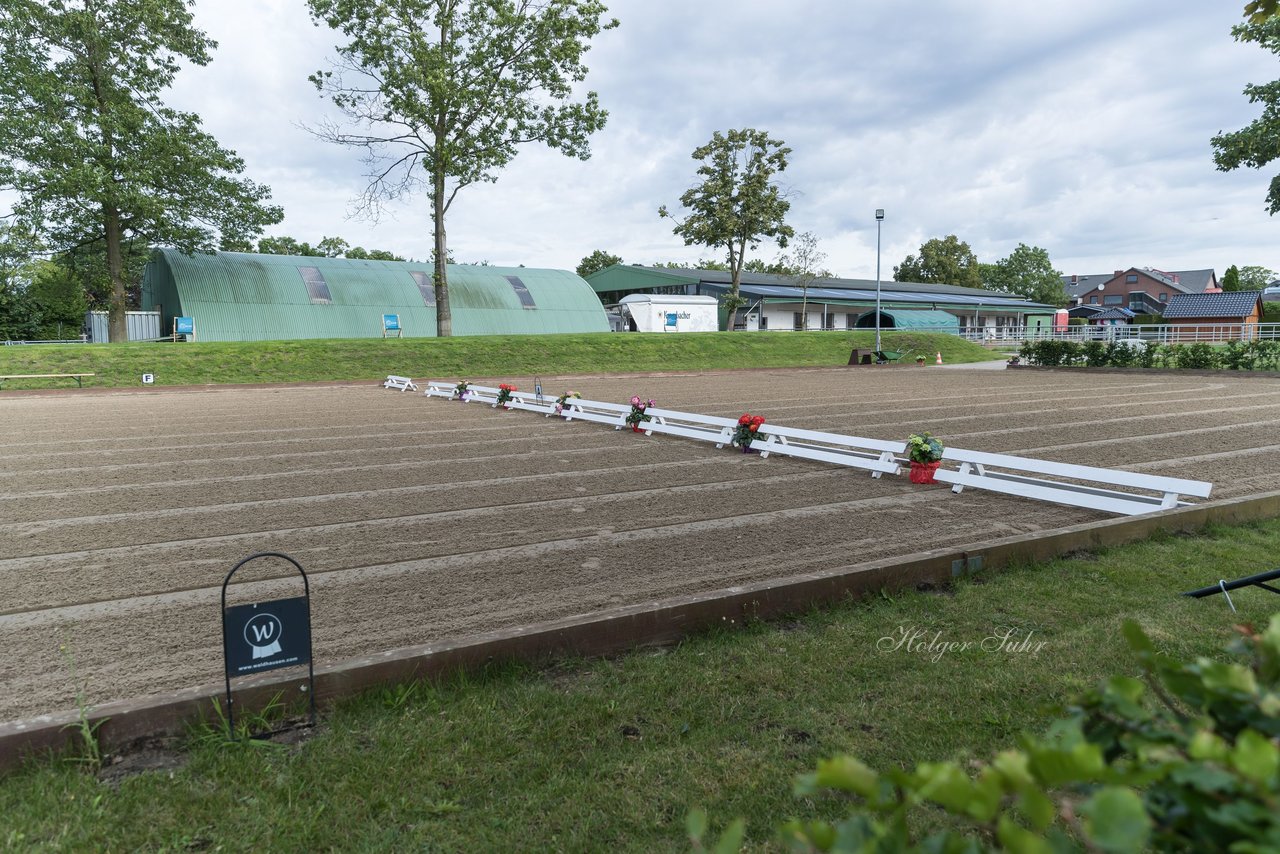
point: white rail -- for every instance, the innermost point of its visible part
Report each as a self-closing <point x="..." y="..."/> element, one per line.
<point x="1162" y="333"/>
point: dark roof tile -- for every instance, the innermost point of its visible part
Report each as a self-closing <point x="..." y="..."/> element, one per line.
<point x="1229" y="305"/>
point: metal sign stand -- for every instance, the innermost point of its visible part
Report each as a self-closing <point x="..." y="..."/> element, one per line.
<point x="1224" y="586"/>
<point x="265" y="635"/>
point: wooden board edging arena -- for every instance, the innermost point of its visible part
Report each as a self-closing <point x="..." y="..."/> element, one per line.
<point x="611" y="631"/>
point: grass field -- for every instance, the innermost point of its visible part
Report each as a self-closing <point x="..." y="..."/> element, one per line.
<point x="197" y="363"/>
<point x="610" y="755"/>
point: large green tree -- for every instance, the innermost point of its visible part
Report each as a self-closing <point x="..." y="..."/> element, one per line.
<point x="328" y="247"/>
<point x="942" y="261"/>
<point x="1258" y="11"/>
<point x="1028" y="272"/>
<point x="18" y="318"/>
<point x="441" y="93"/>
<point x="737" y="205"/>
<point x="58" y="298"/>
<point x="597" y="261"/>
<point x="94" y="156"/>
<point x="1255" y="278"/>
<point x="1258" y="143"/>
<point x="1231" y="279"/>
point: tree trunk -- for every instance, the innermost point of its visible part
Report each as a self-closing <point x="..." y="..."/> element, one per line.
<point x="735" y="272"/>
<point x="444" y="319"/>
<point x="117" y="322"/>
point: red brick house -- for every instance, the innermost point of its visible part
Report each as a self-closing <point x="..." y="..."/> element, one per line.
<point x="1142" y="290"/>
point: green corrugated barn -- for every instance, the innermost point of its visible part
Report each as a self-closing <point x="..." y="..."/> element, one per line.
<point x="238" y="296"/>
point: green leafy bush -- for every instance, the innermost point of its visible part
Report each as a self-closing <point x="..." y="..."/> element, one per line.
<point x="1265" y="355"/>
<point x="1195" y="356"/>
<point x="1262" y="355"/>
<point x="1150" y="355"/>
<point x="1184" y="759"/>
<point x="1238" y="356"/>
<point x="1122" y="354"/>
<point x="1051" y="353"/>
<point x="1094" y="354"/>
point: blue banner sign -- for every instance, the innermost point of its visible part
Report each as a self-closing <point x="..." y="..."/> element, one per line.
<point x="391" y="322"/>
<point x="184" y="326"/>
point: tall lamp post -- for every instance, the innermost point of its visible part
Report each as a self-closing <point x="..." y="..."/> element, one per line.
<point x="879" y="219"/>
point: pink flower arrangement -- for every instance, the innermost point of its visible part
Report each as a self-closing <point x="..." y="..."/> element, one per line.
<point x="637" y="415"/>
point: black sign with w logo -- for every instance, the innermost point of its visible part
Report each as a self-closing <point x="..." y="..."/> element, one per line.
<point x="267" y="635"/>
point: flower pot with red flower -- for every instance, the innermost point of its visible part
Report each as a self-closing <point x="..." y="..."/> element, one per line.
<point x="925" y="453"/>
<point x="637" y="415"/>
<point x="746" y="431"/>
<point x="504" y="395"/>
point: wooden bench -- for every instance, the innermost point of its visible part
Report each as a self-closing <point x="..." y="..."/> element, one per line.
<point x="614" y="414"/>
<point x="79" y="378"/>
<point x="708" y="428"/>
<point x="402" y="383"/>
<point x="976" y="470"/>
<point x="876" y="455"/>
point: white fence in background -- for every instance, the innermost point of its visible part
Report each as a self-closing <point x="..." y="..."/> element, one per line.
<point x="1166" y="333"/>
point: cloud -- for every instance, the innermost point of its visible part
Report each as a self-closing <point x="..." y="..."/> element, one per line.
<point x="1082" y="127"/>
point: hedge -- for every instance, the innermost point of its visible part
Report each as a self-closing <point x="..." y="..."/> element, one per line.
<point x="1233" y="356"/>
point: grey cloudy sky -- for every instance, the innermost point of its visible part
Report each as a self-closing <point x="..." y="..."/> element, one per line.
<point x="1081" y="126"/>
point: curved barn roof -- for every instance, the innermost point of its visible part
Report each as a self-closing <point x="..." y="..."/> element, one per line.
<point x="239" y="296"/>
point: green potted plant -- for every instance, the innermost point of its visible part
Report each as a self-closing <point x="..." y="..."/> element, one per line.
<point x="925" y="453"/>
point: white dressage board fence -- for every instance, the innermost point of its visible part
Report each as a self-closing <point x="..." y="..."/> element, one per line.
<point x="876" y="455"/>
<point x="1079" y="487"/>
<point x="401" y="383"/>
<point x="613" y="414"/>
<point x="532" y="402"/>
<point x="1108" y="490"/>
<point x="441" y="388"/>
<point x="708" y="428"/>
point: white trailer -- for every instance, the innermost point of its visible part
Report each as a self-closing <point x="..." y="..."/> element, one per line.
<point x="670" y="313"/>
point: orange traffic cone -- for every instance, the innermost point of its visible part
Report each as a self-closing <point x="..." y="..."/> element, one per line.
<point x="938" y="361"/>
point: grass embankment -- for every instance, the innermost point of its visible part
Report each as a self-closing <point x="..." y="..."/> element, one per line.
<point x="610" y="755"/>
<point x="198" y="363"/>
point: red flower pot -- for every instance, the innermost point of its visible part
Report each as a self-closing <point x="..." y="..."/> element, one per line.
<point x="923" y="472"/>
<point x="635" y="428"/>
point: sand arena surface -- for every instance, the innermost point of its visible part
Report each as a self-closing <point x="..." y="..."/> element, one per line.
<point x="420" y="519"/>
